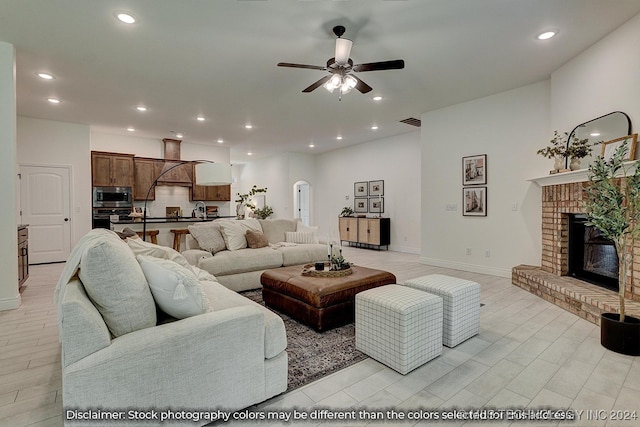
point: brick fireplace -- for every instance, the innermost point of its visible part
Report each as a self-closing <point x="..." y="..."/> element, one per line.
<point x="562" y="197"/>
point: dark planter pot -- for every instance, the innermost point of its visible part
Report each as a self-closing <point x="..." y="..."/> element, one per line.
<point x="621" y="337"/>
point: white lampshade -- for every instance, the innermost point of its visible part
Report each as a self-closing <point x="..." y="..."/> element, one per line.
<point x="213" y="174"/>
<point x="343" y="50"/>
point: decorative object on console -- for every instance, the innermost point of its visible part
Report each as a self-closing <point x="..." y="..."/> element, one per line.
<point x="346" y="211"/>
<point x="245" y="200"/>
<point x="474" y="170"/>
<point x="612" y="205"/>
<point x="474" y="201"/>
<point x="207" y="173"/>
<point x="263" y="213"/>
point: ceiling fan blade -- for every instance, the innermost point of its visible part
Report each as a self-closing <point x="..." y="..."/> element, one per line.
<point x="362" y="86"/>
<point x="396" y="64"/>
<point x="317" y="84"/>
<point x="343" y="50"/>
<point x="311" y="67"/>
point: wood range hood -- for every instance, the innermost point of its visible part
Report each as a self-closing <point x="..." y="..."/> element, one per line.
<point x="181" y="176"/>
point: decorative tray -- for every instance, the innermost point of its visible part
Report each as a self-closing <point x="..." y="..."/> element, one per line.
<point x="310" y="270"/>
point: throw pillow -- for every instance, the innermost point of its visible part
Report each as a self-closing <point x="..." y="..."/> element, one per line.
<point x="302" y="237"/>
<point x="234" y="232"/>
<point x="175" y="289"/>
<point x="208" y="236"/>
<point x="309" y="228"/>
<point x="256" y="239"/>
<point x="117" y="286"/>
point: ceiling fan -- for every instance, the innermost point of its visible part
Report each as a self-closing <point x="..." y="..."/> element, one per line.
<point x="341" y="67"/>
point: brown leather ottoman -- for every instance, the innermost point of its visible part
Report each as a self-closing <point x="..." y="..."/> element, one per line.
<point x="319" y="302"/>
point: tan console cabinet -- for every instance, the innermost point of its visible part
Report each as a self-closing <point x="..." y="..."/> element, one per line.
<point x="366" y="231"/>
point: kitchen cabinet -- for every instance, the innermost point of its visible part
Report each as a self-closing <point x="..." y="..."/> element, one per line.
<point x="112" y="169"/>
<point x="145" y="172"/>
<point x="366" y="231"/>
<point x="213" y="193"/>
<point x="23" y="255"/>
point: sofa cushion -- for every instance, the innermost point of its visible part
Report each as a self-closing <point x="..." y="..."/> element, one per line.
<point x="274" y="229"/>
<point x="302" y="254"/>
<point x="116" y="285"/>
<point x="175" y="289"/>
<point x="140" y="247"/>
<point x="208" y="236"/>
<point x="241" y="261"/>
<point x="309" y="228"/>
<point x="233" y="232"/>
<point x="301" y="237"/>
<point x="256" y="239"/>
<point x="275" y="337"/>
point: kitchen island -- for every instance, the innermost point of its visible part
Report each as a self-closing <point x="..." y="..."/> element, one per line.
<point x="164" y="225"/>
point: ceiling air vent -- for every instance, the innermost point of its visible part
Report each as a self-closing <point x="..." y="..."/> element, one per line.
<point x="412" y="121"/>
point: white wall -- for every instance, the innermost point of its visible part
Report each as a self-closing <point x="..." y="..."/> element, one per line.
<point x="51" y="143"/>
<point x="602" y="79"/>
<point x="9" y="296"/>
<point x="508" y="127"/>
<point x="395" y="160"/>
<point x="272" y="173"/>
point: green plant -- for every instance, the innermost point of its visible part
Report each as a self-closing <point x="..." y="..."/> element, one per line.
<point x="346" y="211"/>
<point x="612" y="205"/>
<point x="578" y="148"/>
<point x="263" y="213"/>
<point x="557" y="148"/>
<point x="243" y="199"/>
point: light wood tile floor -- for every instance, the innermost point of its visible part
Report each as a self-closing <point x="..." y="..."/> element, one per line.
<point x="529" y="354"/>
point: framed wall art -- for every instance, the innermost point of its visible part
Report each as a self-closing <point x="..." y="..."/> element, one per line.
<point x="474" y="170"/>
<point x="360" y="205"/>
<point x="376" y="188"/>
<point x="360" y="189"/>
<point x="474" y="201"/>
<point x="376" y="205"/>
<point x="610" y="147"/>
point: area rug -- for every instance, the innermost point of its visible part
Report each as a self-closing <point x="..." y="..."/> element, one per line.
<point x="313" y="355"/>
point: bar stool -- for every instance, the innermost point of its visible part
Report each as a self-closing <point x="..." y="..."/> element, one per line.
<point x="151" y="233"/>
<point x="177" y="236"/>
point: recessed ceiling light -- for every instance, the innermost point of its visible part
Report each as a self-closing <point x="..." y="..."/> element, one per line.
<point x="45" y="76"/>
<point x="249" y="153"/>
<point x="248" y="126"/>
<point x="130" y="129"/>
<point x="311" y="145"/>
<point x="339" y="137"/>
<point x="220" y="140"/>
<point x="127" y="18"/>
<point x="374" y="127"/>
<point x="377" y="98"/>
<point x="200" y="119"/>
<point x="141" y="108"/>
<point x="179" y="135"/>
<point x="53" y="100"/>
<point x="546" y="35"/>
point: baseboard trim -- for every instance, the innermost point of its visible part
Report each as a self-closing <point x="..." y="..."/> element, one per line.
<point x="10" y="303"/>
<point x="404" y="249"/>
<point x="473" y="268"/>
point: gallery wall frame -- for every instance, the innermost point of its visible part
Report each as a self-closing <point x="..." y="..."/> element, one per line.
<point x="376" y="188"/>
<point x="474" y="170"/>
<point x="376" y="205"/>
<point x="360" y="204"/>
<point x="474" y="201"/>
<point x="361" y="189"/>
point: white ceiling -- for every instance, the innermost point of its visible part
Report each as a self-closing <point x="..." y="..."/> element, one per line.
<point x="185" y="58"/>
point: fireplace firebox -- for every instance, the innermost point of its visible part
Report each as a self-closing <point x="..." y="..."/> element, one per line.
<point x="592" y="257"/>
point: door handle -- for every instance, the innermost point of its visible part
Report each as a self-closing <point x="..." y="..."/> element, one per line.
<point x="66" y="219"/>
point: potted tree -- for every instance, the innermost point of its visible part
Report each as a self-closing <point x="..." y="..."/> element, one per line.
<point x="612" y="205"/>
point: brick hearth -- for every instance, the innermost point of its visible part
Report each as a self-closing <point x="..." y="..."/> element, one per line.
<point x="550" y="280"/>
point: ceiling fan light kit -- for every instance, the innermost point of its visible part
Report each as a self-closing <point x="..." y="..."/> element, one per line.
<point x="340" y="67"/>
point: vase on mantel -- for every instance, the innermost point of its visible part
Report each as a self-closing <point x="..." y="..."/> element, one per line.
<point x="574" y="164"/>
<point x="558" y="163"/>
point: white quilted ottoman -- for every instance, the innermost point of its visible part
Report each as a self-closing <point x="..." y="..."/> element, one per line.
<point x="399" y="326"/>
<point x="461" y="299"/>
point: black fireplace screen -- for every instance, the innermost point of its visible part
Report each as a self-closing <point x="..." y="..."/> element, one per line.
<point x="592" y="257"/>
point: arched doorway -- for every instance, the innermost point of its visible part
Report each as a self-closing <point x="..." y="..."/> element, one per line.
<point x="302" y="202"/>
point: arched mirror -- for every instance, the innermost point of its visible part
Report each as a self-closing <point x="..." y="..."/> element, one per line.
<point x="604" y="128"/>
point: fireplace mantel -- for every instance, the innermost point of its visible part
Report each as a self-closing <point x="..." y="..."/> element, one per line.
<point x="581" y="175"/>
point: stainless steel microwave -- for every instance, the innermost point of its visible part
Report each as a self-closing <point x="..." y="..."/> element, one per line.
<point x="112" y="197"/>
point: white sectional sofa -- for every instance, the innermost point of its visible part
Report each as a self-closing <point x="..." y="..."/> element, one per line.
<point x="121" y="352"/>
<point x="218" y="248"/>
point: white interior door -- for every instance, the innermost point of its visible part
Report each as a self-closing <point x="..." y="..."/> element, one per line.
<point x="303" y="202"/>
<point x="45" y="207"/>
